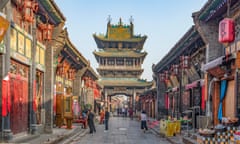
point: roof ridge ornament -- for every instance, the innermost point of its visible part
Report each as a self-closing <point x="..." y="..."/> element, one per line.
<point x="109" y="19"/>
<point x="131" y="19"/>
<point x="120" y="21"/>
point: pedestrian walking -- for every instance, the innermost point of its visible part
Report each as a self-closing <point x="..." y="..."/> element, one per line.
<point x="106" y="119"/>
<point x="91" y="121"/>
<point x="143" y="118"/>
<point x="101" y="116"/>
<point x="130" y="113"/>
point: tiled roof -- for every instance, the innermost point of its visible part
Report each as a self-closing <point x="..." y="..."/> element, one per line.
<point x="133" y="39"/>
<point x="125" y="82"/>
<point x="53" y="10"/>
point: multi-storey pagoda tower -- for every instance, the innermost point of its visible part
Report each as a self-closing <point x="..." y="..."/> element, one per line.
<point x="120" y="60"/>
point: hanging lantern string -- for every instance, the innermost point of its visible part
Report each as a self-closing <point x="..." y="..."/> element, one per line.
<point x="228" y="7"/>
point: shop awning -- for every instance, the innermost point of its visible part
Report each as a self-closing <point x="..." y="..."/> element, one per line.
<point x="213" y="64"/>
<point x="192" y="85"/>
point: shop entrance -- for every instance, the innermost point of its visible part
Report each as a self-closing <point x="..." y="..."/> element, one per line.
<point x="19" y="101"/>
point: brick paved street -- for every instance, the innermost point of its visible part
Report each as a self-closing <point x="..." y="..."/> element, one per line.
<point x="121" y="131"/>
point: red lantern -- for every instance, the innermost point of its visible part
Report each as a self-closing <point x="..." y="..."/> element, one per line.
<point x="185" y="62"/>
<point x="175" y="69"/>
<point x="28" y="8"/>
<point x="27" y="11"/>
<point x="162" y="76"/>
<point x="73" y="74"/>
<point x="47" y="31"/>
<point x="226" y="31"/>
<point x="166" y="74"/>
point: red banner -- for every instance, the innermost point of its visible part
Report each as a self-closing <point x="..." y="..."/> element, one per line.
<point x="203" y="98"/>
<point x="54" y="101"/>
<point x="6" y="97"/>
<point x="166" y="101"/>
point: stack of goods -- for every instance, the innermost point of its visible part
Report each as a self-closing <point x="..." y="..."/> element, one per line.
<point x="222" y="137"/>
<point x="237" y="137"/>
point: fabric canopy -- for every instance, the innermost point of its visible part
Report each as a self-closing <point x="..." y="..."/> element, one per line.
<point x="222" y="95"/>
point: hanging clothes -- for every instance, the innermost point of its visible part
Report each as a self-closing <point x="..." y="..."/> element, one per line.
<point x="203" y="97"/>
<point x="223" y="91"/>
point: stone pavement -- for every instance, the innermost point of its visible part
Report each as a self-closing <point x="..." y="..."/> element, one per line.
<point x="60" y="134"/>
<point x="56" y="136"/>
<point x="122" y="130"/>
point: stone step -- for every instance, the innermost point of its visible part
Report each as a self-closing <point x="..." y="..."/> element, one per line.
<point x="188" y="140"/>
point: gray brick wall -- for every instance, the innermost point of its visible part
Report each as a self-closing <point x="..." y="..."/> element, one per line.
<point x="209" y="33"/>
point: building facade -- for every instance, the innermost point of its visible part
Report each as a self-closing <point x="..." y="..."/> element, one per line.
<point x="222" y="57"/>
<point x="40" y="68"/>
<point x="178" y="76"/>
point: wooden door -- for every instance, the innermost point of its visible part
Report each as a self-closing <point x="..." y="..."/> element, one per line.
<point x="19" y="100"/>
<point x="59" y="110"/>
<point x="229" y="103"/>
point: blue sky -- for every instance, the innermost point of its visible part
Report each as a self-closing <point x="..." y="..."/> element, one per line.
<point x="163" y="21"/>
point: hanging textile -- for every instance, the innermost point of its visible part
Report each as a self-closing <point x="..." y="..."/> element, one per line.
<point x="54" y="100"/>
<point x="75" y="108"/>
<point x="203" y="97"/>
<point x="17" y="96"/>
<point x="222" y="95"/>
<point x="6" y="97"/>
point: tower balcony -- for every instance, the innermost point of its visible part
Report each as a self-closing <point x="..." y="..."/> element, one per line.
<point x="116" y="67"/>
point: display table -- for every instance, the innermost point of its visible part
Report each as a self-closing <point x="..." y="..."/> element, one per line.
<point x="170" y="128"/>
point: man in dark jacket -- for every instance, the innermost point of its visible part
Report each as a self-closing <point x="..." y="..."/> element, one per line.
<point x="107" y="115"/>
<point x="91" y="122"/>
